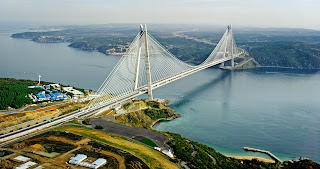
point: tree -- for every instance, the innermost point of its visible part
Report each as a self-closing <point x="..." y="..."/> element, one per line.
<point x="98" y="127"/>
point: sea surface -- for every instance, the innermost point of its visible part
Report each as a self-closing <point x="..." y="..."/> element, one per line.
<point x="272" y="109"/>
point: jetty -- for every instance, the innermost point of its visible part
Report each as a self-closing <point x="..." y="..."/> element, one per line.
<point x="263" y="151"/>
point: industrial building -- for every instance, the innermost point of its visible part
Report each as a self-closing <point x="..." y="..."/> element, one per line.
<point x="26" y="165"/>
<point x="53" y="94"/>
<point x="55" y="86"/>
<point x="33" y="86"/>
<point x="77" y="160"/>
<point x="42" y="96"/>
<point x="47" y="86"/>
<point x="99" y="162"/>
<point x="22" y="158"/>
<point x="75" y="92"/>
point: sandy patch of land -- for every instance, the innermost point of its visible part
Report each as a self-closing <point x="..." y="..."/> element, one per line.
<point x="252" y="157"/>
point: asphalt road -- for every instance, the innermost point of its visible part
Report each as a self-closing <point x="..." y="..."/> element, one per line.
<point x="130" y="132"/>
<point x="60" y="119"/>
<point x="34" y="126"/>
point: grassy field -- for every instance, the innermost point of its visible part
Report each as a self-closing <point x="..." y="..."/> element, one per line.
<point x="148" y="142"/>
<point x="150" y="156"/>
<point x="70" y="107"/>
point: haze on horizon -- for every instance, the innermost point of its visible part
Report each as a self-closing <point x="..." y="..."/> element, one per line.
<point x="257" y="13"/>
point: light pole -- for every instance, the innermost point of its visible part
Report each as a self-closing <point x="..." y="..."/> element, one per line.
<point x="39" y="80"/>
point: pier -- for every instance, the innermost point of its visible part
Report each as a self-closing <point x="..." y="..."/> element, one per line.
<point x="263" y="151"/>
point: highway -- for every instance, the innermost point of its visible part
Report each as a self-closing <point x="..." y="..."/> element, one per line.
<point x="67" y="117"/>
<point x="42" y="125"/>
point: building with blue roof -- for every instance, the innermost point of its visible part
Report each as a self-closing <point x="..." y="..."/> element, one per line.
<point x="41" y="92"/>
<point x="57" y="96"/>
<point x="47" y="94"/>
<point x="34" y="86"/>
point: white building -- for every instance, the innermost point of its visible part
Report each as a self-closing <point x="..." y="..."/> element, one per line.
<point x="99" y="162"/>
<point x="55" y="86"/>
<point x="22" y="158"/>
<point x="67" y="88"/>
<point x="26" y="165"/>
<point x="77" y="160"/>
<point x="75" y="92"/>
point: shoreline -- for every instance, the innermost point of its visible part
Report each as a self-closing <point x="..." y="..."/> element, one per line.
<point x="240" y="157"/>
<point x="278" y="67"/>
<point x="164" y="119"/>
<point x="250" y="158"/>
<point x="120" y="54"/>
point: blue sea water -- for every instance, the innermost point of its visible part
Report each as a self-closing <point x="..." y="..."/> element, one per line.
<point x="278" y="111"/>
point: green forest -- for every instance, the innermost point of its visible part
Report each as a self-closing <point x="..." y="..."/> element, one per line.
<point x="197" y="156"/>
<point x="14" y="92"/>
<point x="286" y="54"/>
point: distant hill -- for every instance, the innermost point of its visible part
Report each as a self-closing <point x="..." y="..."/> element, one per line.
<point x="276" y="47"/>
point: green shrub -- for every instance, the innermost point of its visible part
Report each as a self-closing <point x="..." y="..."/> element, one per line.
<point x="86" y="121"/>
<point x="98" y="127"/>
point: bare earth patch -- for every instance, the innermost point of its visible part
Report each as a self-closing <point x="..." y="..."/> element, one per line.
<point x="150" y="156"/>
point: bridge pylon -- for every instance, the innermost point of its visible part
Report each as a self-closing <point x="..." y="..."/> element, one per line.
<point x="144" y="35"/>
<point x="232" y="45"/>
<point x="131" y="78"/>
<point x="147" y="61"/>
<point x="227" y="47"/>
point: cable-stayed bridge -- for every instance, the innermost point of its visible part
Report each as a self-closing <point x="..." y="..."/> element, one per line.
<point x="147" y="65"/>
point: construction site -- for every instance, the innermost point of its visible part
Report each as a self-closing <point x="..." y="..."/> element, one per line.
<point x="58" y="149"/>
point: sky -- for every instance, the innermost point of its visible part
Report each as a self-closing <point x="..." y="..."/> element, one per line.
<point x="256" y="13"/>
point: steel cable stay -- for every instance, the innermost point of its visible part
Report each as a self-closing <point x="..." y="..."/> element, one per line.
<point x="130" y="75"/>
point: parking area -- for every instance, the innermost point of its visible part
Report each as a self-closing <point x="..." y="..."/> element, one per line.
<point x="130" y="132"/>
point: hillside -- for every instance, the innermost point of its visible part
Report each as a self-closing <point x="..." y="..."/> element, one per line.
<point x="287" y="54"/>
<point x="276" y="47"/>
<point x="145" y="118"/>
